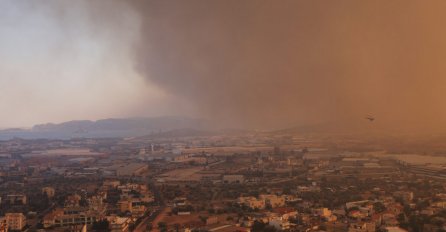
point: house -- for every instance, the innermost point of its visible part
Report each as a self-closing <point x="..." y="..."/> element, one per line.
<point x="273" y="200"/>
<point x="362" y="227"/>
<point x="252" y="202"/>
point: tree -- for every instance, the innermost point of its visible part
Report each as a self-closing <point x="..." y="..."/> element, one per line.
<point x="100" y="226"/>
<point x="259" y="226"/>
<point x="203" y="218"/>
<point x="83" y="202"/>
<point x="162" y="226"/>
<point x="379" y="207"/>
<point x="177" y="227"/>
<point x="355" y="208"/>
<point x="268" y="207"/>
<point x="211" y="211"/>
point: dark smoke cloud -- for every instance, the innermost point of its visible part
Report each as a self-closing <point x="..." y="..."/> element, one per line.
<point x="269" y="64"/>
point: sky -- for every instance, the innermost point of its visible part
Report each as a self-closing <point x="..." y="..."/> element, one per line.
<point x="240" y="63"/>
<point x="58" y="64"/>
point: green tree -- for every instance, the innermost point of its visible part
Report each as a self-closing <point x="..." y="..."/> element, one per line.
<point x="100" y="226"/>
<point x="259" y="226"/>
<point x="162" y="226"/>
<point x="177" y="227"/>
<point x="379" y="207"/>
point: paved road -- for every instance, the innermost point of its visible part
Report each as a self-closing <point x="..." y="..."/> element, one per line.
<point x="159" y="218"/>
<point x="42" y="214"/>
<point x="153" y="217"/>
<point x="146" y="221"/>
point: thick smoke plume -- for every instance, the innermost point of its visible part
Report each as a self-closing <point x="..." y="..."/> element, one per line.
<point x="273" y="64"/>
<point x="266" y="63"/>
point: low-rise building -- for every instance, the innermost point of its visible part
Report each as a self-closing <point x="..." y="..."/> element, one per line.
<point x="3" y="225"/>
<point x="70" y="217"/>
<point x="15" y="221"/>
<point x="134" y="206"/>
<point x="252" y="202"/>
<point x="362" y="227"/>
<point x="119" y="224"/>
<point x="273" y="200"/>
<point x="16" y="199"/>
<point x="111" y="184"/>
<point x="280" y="224"/>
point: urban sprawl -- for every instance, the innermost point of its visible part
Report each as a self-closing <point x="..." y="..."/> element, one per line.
<point x="226" y="182"/>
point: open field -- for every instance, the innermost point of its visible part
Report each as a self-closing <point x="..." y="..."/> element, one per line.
<point x="182" y="174"/>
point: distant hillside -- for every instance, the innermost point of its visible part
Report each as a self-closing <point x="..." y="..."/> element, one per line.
<point x="339" y="127"/>
<point x="123" y="127"/>
<point x="186" y="132"/>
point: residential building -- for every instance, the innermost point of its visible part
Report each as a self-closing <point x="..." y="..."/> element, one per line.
<point x="15" y="221"/>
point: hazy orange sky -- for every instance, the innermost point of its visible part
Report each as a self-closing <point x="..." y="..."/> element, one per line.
<point x="240" y="63"/>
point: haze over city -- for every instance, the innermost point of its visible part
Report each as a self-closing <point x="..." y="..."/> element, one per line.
<point x="222" y="116"/>
<point x="240" y="64"/>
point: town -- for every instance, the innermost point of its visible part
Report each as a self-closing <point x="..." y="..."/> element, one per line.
<point x="244" y="181"/>
<point x="222" y="116"/>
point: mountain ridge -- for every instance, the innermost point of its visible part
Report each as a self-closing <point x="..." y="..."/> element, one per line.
<point x="111" y="127"/>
